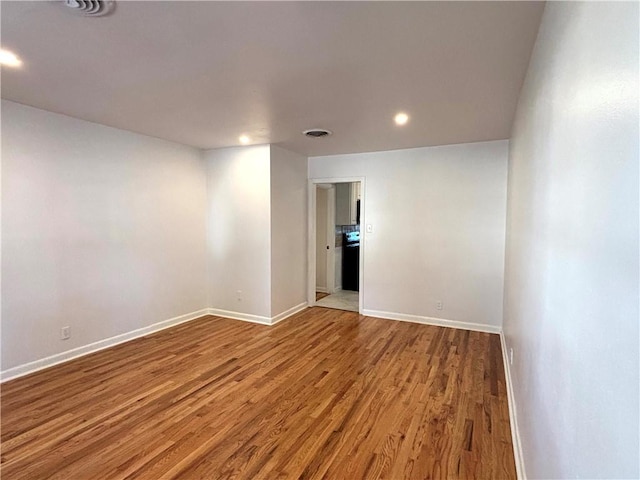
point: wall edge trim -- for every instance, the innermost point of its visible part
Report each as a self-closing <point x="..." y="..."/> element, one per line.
<point x="513" y="417"/>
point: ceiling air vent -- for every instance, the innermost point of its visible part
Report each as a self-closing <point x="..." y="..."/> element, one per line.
<point x="90" y="8"/>
<point x="317" y="132"/>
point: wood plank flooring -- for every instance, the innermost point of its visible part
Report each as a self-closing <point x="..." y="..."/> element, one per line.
<point x="323" y="394"/>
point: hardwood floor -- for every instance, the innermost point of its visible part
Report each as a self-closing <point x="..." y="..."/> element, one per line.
<point x="323" y="394"/>
<point x="320" y="295"/>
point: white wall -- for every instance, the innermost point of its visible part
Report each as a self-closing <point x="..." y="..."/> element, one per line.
<point x="239" y="233"/>
<point x="571" y="297"/>
<point x="110" y="232"/>
<point x="438" y="217"/>
<point x="102" y="230"/>
<point x="288" y="230"/>
<point x="257" y="231"/>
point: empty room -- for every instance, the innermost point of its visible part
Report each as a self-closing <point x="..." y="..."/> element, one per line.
<point x="324" y="240"/>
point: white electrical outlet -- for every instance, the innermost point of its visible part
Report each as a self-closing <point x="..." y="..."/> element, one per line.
<point x="239" y="295"/>
<point x="65" y="333"/>
<point x="438" y="305"/>
<point x="511" y="356"/>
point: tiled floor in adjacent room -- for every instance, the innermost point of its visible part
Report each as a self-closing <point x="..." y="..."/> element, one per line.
<point x="341" y="300"/>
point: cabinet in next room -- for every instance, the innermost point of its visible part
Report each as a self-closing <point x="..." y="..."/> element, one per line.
<point x="348" y="203"/>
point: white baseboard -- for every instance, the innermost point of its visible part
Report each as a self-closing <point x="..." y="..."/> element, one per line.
<point x="262" y="320"/>
<point x="440" y="322"/>
<point x="288" y="313"/>
<point x="322" y="289"/>
<point x="31" y="367"/>
<point x="58" y="358"/>
<point x="246" y="317"/>
<point x="513" y="416"/>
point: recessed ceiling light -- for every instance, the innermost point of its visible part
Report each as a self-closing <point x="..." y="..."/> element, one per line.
<point x="243" y="139"/>
<point x="401" y="118"/>
<point x="9" y="59"/>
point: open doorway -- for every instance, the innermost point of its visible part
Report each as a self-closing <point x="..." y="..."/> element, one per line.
<point x="336" y="254"/>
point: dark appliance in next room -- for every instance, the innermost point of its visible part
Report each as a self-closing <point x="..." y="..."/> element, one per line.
<point x="351" y="261"/>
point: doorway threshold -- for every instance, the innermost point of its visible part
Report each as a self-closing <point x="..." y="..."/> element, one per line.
<point x="341" y="300"/>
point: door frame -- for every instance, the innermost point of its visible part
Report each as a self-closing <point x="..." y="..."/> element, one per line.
<point x="311" y="237"/>
<point x="329" y="239"/>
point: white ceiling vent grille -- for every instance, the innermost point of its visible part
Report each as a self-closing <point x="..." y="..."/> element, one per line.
<point x="90" y="8"/>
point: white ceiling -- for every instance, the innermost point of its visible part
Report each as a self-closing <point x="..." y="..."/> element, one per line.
<point x="202" y="73"/>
